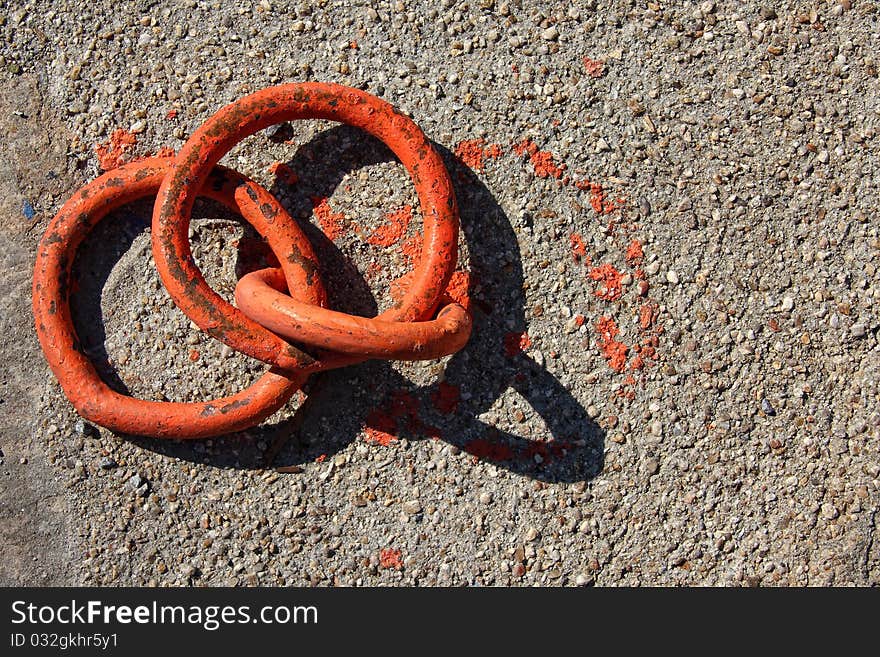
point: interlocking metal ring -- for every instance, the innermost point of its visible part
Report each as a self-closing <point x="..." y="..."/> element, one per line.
<point x="407" y="330"/>
<point x="94" y="399"/>
<point x="186" y="285"/>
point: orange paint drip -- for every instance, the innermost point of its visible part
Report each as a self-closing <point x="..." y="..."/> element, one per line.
<point x="446" y="398"/>
<point x="390" y="558"/>
<point x="634" y="253"/>
<point x="611" y="287"/>
<point x="516" y="343"/>
<point x="612" y="350"/>
<point x="111" y="154"/>
<point x="332" y="223"/>
<point x="594" y="67"/>
<point x="283" y="173"/>
<point x="474" y="152"/>
<point x="391" y="232"/>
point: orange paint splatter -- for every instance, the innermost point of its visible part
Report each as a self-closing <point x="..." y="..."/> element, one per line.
<point x="111" y="153"/>
<point x="474" y="152"/>
<point x="515" y="343"/>
<point x="646" y="316"/>
<point x="542" y="161"/>
<point x="634" y="252"/>
<point x="578" y="248"/>
<point x="321" y="458"/>
<point x="459" y="287"/>
<point x="332" y="223"/>
<point x="391" y="232"/>
<point x="283" y="173"/>
<point x="612" y="350"/>
<point x="611" y="287"/>
<point x="380" y="429"/>
<point x="171" y="115"/>
<point x="594" y="67"/>
<point x="598" y="199"/>
<point x="485" y="449"/>
<point x="390" y="558"/>
<point x="446" y="398"/>
<point x="193" y="355"/>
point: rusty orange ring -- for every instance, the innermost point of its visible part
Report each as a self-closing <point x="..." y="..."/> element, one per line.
<point x="91" y="397"/>
<point x="214" y="138"/>
<point x="259" y="295"/>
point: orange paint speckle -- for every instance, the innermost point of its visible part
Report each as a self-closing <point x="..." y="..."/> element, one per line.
<point x="612" y="350"/>
<point x="283" y="173"/>
<point x="321" y="458"/>
<point x="194" y="355"/>
<point x="332" y="223"/>
<point x="474" y="152"/>
<point x="391" y="232"/>
<point x="578" y="248"/>
<point x="634" y="252"/>
<point x="171" y="115"/>
<point x="459" y="287"/>
<point x="611" y="287"/>
<point x="380" y="428"/>
<point x="111" y="153"/>
<point x="390" y="558"/>
<point x="594" y="67"/>
<point x="646" y="316"/>
<point x="598" y="199"/>
<point x="515" y="343"/>
<point x="542" y="161"/>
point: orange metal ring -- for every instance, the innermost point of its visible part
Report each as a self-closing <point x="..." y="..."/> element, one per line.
<point x="91" y="397"/>
<point x="228" y="126"/>
<point x="259" y="295"/>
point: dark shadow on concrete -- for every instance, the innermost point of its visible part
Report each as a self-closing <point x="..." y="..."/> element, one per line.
<point x="568" y="448"/>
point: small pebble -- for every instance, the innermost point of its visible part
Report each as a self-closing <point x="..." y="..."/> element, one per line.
<point x="767" y="407"/>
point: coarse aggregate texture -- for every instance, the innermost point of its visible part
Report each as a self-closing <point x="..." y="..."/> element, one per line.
<point x="705" y="414"/>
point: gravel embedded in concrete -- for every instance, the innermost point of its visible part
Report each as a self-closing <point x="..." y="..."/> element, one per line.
<point x="702" y="414"/>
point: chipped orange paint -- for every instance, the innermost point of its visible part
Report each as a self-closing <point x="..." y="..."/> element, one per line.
<point x="283" y="173"/>
<point x="111" y="153"/>
<point x="474" y="152"/>
<point x="394" y="229"/>
<point x="609" y="278"/>
<point x="332" y="223"/>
